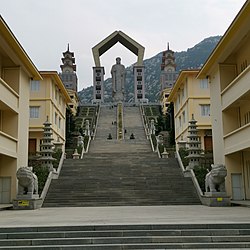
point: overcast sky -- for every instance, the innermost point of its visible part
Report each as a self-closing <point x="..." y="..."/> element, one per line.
<point x="45" y="27"/>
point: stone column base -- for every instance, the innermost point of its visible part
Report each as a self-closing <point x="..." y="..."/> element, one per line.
<point x="216" y="199"/>
<point x="27" y="204"/>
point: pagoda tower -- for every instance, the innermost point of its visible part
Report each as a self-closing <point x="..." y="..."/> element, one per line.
<point x="46" y="146"/>
<point x="194" y="144"/>
<point x="68" y="75"/>
<point x="168" y="76"/>
<point x="69" y="78"/>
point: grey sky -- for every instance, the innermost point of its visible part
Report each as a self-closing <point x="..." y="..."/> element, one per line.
<point x="44" y="28"/>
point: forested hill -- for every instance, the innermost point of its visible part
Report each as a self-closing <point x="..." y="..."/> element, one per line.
<point x="192" y="58"/>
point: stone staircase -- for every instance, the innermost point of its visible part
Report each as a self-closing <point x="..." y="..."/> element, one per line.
<point x="120" y="172"/>
<point x="118" y="179"/>
<point x="121" y="237"/>
<point x="132" y="124"/>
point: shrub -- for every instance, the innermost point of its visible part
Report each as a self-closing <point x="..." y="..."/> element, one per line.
<point x="57" y="155"/>
<point x="200" y="173"/>
<point x="42" y="175"/>
<point x="183" y="153"/>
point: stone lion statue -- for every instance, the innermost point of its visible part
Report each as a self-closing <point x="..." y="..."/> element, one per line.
<point x="215" y="179"/>
<point x="27" y="181"/>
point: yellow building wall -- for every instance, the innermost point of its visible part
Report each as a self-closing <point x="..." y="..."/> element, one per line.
<point x="51" y="101"/>
<point x="187" y="98"/>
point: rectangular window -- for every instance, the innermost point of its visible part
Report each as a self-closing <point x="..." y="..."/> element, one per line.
<point x="34" y="85"/>
<point x="204" y="83"/>
<point x="247" y="117"/>
<point x="139" y="87"/>
<point x="205" y="110"/>
<point x="34" y="112"/>
<point x="59" y="122"/>
<point x="55" y="118"/>
<point x="184" y="116"/>
<point x="55" y="89"/>
<point x="179" y="121"/>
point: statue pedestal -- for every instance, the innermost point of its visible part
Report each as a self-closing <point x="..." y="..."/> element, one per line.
<point x="216" y="199"/>
<point x="26" y="203"/>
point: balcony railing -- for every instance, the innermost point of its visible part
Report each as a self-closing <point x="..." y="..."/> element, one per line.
<point x="8" y="95"/>
<point x="8" y="145"/>
<point x="236" y="89"/>
<point x="237" y="140"/>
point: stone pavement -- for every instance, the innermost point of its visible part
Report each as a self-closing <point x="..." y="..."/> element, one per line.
<point x="189" y="214"/>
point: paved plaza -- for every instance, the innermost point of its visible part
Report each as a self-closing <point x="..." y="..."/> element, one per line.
<point x="189" y="214"/>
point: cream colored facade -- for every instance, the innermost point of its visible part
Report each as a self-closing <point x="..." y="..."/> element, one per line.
<point x="48" y="98"/>
<point x="16" y="71"/>
<point x="228" y="71"/>
<point x="191" y="96"/>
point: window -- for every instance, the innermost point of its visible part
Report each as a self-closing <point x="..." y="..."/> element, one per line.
<point x="34" y="85"/>
<point x="179" y="121"/>
<point x="34" y="112"/>
<point x="204" y="83"/>
<point x="247" y="117"/>
<point x="59" y="122"/>
<point x="184" y="116"/>
<point x="55" y="118"/>
<point x="205" y="110"/>
<point x="56" y="93"/>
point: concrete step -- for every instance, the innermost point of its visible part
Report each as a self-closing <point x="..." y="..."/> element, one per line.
<point x="158" y="236"/>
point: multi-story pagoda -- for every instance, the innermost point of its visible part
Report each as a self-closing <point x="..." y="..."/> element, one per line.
<point x="69" y="77"/>
<point x="46" y="146"/>
<point x="194" y="144"/>
<point x="168" y="76"/>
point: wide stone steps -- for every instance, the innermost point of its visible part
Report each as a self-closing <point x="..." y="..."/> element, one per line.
<point x="118" y="237"/>
<point x="121" y="180"/>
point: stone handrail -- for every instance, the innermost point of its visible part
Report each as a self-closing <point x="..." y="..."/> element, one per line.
<point x="87" y="148"/>
<point x="52" y="175"/>
<point x="190" y="173"/>
<point x="60" y="163"/>
<point x="146" y="130"/>
<point x="97" y="120"/>
<point x="46" y="186"/>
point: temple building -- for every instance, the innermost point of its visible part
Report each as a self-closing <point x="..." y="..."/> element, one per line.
<point x="168" y="76"/>
<point x="69" y="78"/>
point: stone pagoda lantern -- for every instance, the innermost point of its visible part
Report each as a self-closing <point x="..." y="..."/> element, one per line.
<point x="194" y="144"/>
<point x="46" y="150"/>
